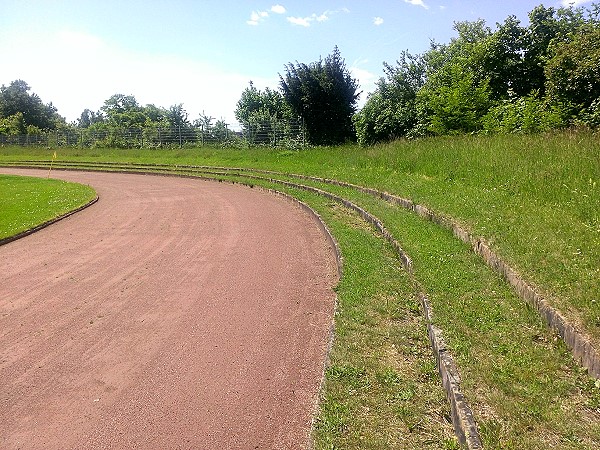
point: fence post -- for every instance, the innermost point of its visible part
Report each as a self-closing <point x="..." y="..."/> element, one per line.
<point x="303" y="132"/>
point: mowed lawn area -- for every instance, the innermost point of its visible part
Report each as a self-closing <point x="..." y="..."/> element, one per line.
<point x="26" y="202"/>
<point x="534" y="198"/>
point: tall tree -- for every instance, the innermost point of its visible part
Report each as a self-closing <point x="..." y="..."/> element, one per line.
<point x="391" y="111"/>
<point x="549" y="26"/>
<point x="123" y="111"/>
<point x="177" y="116"/>
<point x="15" y="98"/>
<point x="155" y="115"/>
<point x="456" y="93"/>
<point x="89" y="118"/>
<point x="255" y="104"/>
<point x="573" y="73"/>
<point x="262" y="114"/>
<point x="13" y="125"/>
<point x="324" y="94"/>
<point x="503" y="60"/>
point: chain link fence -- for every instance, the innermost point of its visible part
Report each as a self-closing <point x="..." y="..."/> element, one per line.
<point x="275" y="134"/>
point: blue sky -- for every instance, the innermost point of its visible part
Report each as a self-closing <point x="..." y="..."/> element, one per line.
<point x="76" y="54"/>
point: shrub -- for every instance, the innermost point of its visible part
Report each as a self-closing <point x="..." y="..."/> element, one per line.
<point x="528" y="114"/>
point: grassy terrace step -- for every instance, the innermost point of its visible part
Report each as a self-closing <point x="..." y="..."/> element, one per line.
<point x="381" y="388"/>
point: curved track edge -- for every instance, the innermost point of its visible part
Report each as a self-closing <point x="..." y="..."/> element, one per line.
<point x="47" y="223"/>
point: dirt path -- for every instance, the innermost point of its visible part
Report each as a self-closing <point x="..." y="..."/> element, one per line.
<point x="174" y="313"/>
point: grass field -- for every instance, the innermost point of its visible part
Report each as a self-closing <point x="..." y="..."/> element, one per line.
<point x="26" y="202"/>
<point x="536" y="199"/>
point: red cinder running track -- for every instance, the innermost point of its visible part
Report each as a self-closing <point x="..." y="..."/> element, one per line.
<point x="173" y="313"/>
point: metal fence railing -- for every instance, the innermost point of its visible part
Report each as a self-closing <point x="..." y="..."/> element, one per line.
<point x="276" y="134"/>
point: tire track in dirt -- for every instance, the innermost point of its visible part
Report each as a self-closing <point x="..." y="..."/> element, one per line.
<point x="174" y="313"/>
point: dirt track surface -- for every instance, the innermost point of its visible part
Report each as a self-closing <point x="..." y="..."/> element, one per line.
<point x="173" y="313"/>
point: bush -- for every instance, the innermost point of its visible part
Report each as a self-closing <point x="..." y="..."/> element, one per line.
<point x="590" y="117"/>
<point x="454" y="102"/>
<point x="528" y="114"/>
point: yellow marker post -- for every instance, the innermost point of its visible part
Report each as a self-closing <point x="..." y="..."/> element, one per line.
<point x="53" y="158"/>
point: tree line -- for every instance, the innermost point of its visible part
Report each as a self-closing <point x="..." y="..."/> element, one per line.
<point x="513" y="79"/>
<point x="516" y="78"/>
<point x="24" y="113"/>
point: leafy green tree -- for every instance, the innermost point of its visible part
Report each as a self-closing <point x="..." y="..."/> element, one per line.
<point x="262" y="114"/>
<point x="457" y="92"/>
<point x="220" y="131"/>
<point x="591" y="115"/>
<point x="503" y="62"/>
<point x="89" y="118"/>
<point x="215" y="132"/>
<point x="123" y="111"/>
<point x="573" y="72"/>
<point x="177" y="116"/>
<point x="178" y="126"/>
<point x="528" y="114"/>
<point x="454" y="101"/>
<point x="15" y="98"/>
<point x="324" y="94"/>
<point x="256" y="103"/>
<point x="13" y="125"/>
<point x="549" y="27"/>
<point x="155" y="115"/>
<point x="391" y="112"/>
<point x="204" y="122"/>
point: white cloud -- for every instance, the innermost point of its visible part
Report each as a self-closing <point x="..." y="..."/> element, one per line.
<point x="256" y="17"/>
<point x="278" y="9"/>
<point x="567" y="3"/>
<point x="102" y="69"/>
<point x="306" y="21"/>
<point x="417" y="3"/>
<point x="301" y="21"/>
<point x="377" y="21"/>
